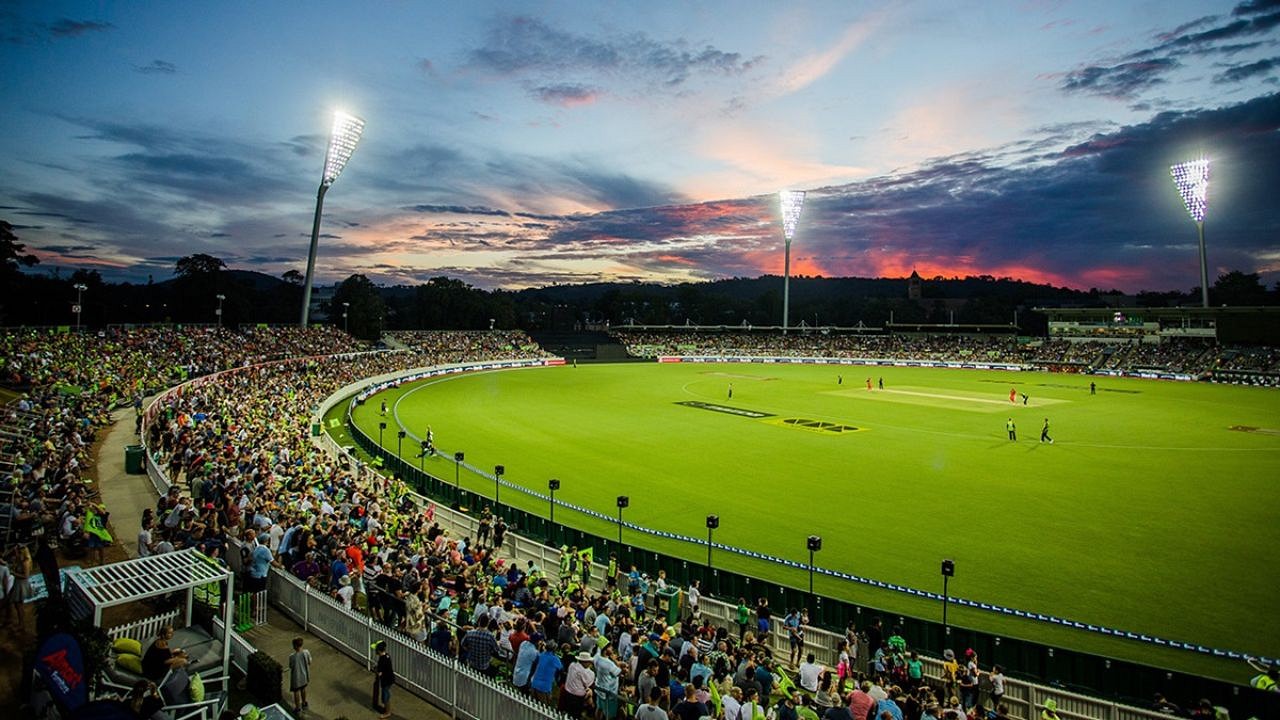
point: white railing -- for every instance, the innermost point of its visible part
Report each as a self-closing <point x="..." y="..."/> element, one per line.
<point x="444" y="682"/>
<point x="241" y="649"/>
<point x="144" y="630"/>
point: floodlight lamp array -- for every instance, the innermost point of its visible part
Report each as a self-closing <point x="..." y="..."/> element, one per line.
<point x="792" y="202"/>
<point x="1192" y="180"/>
<point x="342" y="142"/>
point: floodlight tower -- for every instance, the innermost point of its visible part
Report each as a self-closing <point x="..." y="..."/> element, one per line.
<point x="342" y="142"/>
<point x="791" y="201"/>
<point x="1192" y="179"/>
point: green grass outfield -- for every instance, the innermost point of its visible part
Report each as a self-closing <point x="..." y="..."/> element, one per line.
<point x="1149" y="513"/>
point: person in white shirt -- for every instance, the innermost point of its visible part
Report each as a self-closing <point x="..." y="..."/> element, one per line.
<point x="344" y="593"/>
<point x="732" y="703"/>
<point x="577" y="684"/>
<point x="692" y="596"/>
<point x="809" y="674"/>
<point x="145" y="546"/>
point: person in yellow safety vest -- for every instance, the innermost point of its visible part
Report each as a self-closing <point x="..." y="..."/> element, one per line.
<point x="96" y="533"/>
<point x="1266" y="678"/>
<point x="1050" y="711"/>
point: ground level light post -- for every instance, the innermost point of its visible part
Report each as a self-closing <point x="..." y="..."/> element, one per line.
<point x="553" y="485"/>
<point x="400" y="443"/>
<point x="948" y="571"/>
<point x="814" y="544"/>
<point x="713" y="522"/>
<point x="623" y="501"/>
<point x="382" y="427"/>
<point x="458" y="457"/>
<point x="220" y="297"/>
<point x="498" y="471"/>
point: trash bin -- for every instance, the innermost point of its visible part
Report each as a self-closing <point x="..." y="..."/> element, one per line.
<point x="667" y="604"/>
<point x="315" y="429"/>
<point x="134" y="460"/>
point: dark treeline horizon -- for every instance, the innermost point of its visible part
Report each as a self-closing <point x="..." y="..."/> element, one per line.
<point x="33" y="296"/>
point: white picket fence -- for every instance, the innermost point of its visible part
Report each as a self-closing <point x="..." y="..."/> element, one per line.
<point x="444" y="682"/>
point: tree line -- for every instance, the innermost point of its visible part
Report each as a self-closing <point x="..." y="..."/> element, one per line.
<point x="34" y="298"/>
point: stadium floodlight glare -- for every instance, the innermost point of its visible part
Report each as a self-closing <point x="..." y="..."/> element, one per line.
<point x="342" y="143"/>
<point x="792" y="202"/>
<point x="1192" y="180"/>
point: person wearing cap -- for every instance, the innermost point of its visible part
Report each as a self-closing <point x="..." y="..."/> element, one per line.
<point x="578" y="682"/>
<point x="386" y="679"/>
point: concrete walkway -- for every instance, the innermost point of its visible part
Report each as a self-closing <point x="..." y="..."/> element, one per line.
<point x="340" y="687"/>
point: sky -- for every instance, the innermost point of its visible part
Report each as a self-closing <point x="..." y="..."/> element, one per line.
<point x="514" y="144"/>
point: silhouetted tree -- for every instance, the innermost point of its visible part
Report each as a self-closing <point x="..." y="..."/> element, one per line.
<point x="198" y="264"/>
<point x="1238" y="288"/>
<point x="13" y="255"/>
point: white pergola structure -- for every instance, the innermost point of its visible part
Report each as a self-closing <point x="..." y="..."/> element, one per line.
<point x="154" y="576"/>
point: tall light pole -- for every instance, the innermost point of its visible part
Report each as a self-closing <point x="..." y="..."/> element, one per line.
<point x="220" y="297"/>
<point x="382" y="427"/>
<point x="346" y="309"/>
<point x="498" y="471"/>
<point x="1192" y="180"/>
<point x="792" y="201"/>
<point x="342" y="142"/>
<point x="80" y="288"/>
<point x="400" y="443"/>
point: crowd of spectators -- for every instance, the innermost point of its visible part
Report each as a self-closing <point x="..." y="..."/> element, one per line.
<point x="243" y="465"/>
<point x="1174" y="355"/>
<point x="468" y="345"/>
<point x="70" y="382"/>
<point x="238" y="451"/>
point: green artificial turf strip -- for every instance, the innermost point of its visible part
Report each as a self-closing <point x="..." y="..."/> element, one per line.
<point x="1148" y="514"/>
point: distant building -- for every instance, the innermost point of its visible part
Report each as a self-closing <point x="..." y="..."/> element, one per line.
<point x="913" y="286"/>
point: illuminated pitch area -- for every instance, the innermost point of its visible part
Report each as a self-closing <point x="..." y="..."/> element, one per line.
<point x="1149" y="513"/>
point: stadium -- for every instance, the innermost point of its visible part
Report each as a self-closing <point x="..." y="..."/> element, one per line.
<point x="562" y="410"/>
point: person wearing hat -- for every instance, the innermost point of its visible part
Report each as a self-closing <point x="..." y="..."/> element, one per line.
<point x="344" y="594"/>
<point x="385" y="679"/>
<point x="1050" y="711"/>
<point x="578" y="682"/>
<point x="950" y="671"/>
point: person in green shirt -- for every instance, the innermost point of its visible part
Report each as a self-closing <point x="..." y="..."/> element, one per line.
<point x="915" y="670"/>
<point x="744" y="618"/>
